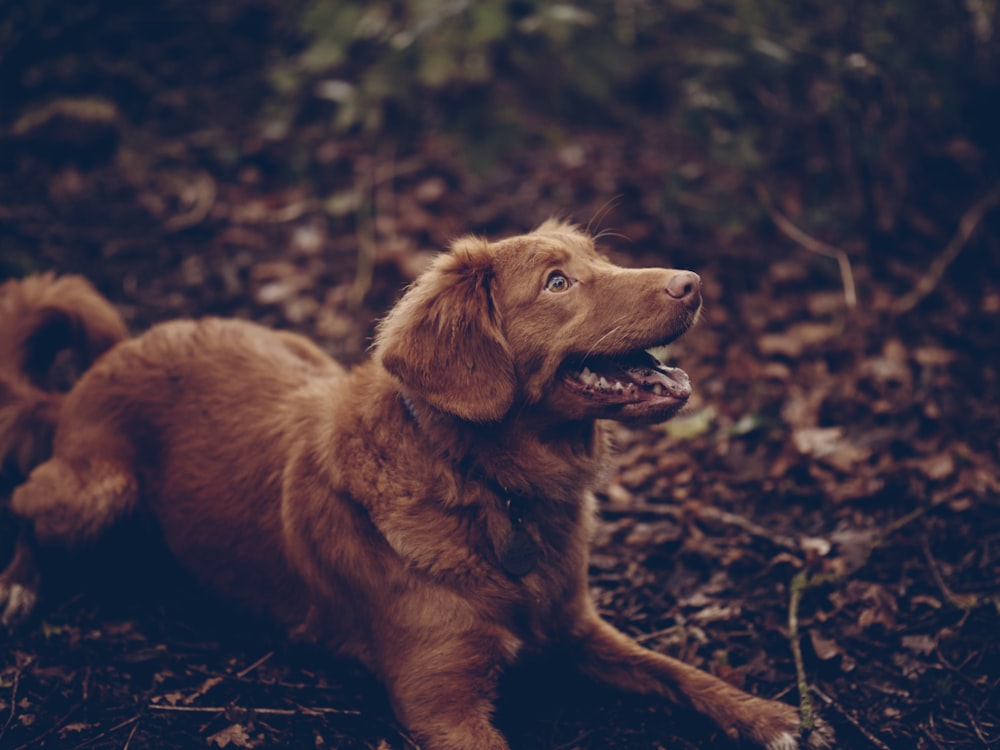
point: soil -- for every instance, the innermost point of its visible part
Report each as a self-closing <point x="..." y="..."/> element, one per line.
<point x="832" y="487"/>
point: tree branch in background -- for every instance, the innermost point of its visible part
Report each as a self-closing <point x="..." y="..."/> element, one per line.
<point x="966" y="226"/>
<point x="810" y="243"/>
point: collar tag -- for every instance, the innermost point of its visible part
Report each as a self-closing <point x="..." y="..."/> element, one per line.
<point x="521" y="553"/>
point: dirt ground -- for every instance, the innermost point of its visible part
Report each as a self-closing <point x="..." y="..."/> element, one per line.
<point x="827" y="504"/>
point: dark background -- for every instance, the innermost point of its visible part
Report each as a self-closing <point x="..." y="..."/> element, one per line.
<point x="830" y="169"/>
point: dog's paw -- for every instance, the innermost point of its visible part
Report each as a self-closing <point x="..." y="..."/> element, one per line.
<point x="820" y="737"/>
<point x="773" y="725"/>
<point x="17" y="603"/>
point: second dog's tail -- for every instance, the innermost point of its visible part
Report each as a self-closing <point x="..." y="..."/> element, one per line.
<point x="48" y="325"/>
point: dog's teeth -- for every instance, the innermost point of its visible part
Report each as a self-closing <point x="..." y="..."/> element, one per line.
<point x="658" y="389"/>
<point x="619" y="386"/>
<point x="586" y="376"/>
<point x="602" y="382"/>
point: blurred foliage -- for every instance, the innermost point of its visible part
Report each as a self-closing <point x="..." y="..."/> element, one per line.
<point x="477" y="68"/>
<point x="845" y="109"/>
<point x="864" y="118"/>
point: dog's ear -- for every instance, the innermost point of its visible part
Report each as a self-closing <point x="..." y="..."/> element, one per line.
<point x="444" y="339"/>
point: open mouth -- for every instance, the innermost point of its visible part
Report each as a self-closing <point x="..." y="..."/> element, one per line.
<point x="637" y="378"/>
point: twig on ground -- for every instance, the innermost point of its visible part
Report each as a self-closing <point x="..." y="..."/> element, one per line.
<point x="806" y="713"/>
<point x="252" y="667"/>
<point x="709" y="513"/>
<point x="966" y="226"/>
<point x="131" y="735"/>
<point x="13" y="701"/>
<point x="112" y="730"/>
<point x="300" y="711"/>
<point x="831" y="703"/>
<point x="961" y="601"/>
<point x="801" y="582"/>
<point x="810" y="243"/>
<point x="50" y="730"/>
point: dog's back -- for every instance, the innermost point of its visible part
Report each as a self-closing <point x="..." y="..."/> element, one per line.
<point x="162" y="420"/>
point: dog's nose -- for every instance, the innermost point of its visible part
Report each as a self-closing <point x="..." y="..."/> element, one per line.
<point x="684" y="285"/>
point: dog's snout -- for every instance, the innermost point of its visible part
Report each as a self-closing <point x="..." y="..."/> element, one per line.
<point x="685" y="286"/>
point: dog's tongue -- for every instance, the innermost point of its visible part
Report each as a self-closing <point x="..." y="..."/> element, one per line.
<point x="673" y="380"/>
<point x="636" y="370"/>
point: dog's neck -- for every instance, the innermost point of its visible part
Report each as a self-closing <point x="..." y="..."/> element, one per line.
<point x="539" y="471"/>
<point x="529" y="453"/>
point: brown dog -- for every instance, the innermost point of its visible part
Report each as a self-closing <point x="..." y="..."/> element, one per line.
<point x="427" y="513"/>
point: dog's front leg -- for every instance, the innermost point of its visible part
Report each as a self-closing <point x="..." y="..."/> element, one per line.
<point x="444" y="690"/>
<point x="19" y="581"/>
<point x="612" y="657"/>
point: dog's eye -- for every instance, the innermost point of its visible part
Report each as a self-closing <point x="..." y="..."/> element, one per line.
<point x="557" y="283"/>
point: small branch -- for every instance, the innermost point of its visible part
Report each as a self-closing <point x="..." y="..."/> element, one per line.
<point x="244" y="672"/>
<point x="98" y="737"/>
<point x="187" y="709"/>
<point x="301" y="711"/>
<point x="966" y="226"/>
<point x="13" y="702"/>
<point x="964" y="602"/>
<point x="810" y="243"/>
<point x="830" y="702"/>
<point x="131" y="735"/>
<point x="708" y="513"/>
<point x="800" y="582"/>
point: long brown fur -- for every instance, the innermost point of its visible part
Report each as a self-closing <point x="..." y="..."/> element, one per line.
<point x="368" y="510"/>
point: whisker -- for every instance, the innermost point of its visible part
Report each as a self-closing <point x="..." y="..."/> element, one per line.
<point x="601" y="213"/>
<point x="598" y="342"/>
<point x="611" y="233"/>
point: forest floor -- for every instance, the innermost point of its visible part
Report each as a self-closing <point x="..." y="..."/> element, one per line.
<point x="839" y="464"/>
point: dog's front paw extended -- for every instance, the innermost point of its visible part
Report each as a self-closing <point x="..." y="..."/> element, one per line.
<point x="820" y="737"/>
<point x="17" y="602"/>
<point x="776" y="726"/>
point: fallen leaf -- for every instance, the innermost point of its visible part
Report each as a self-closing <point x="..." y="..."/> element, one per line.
<point x="796" y="340"/>
<point x="937" y="467"/>
<point x="933" y="356"/>
<point x="235" y="735"/>
<point x="716" y="612"/>
<point x="883" y="606"/>
<point x="831" y="446"/>
<point x="76" y="726"/>
<point x="920" y="644"/>
<point x="816" y="545"/>
<point x="854" y="545"/>
<point x="825" y="648"/>
<point x="892" y="367"/>
<point x="171" y="699"/>
<point x="689" y="426"/>
<point x="207" y="685"/>
<point x="88" y="109"/>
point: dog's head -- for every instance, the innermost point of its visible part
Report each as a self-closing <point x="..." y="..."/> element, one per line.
<point x="540" y="321"/>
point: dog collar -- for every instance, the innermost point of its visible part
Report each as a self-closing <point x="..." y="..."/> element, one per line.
<point x="521" y="552"/>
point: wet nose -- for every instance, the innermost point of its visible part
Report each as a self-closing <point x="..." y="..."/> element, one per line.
<point x="685" y="286"/>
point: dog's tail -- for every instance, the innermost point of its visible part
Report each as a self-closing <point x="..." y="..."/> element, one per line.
<point x="51" y="330"/>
